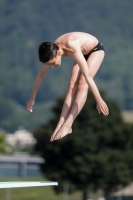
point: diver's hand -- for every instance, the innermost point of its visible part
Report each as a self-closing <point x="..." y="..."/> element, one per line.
<point x="102" y="107"/>
<point x="29" y="104"/>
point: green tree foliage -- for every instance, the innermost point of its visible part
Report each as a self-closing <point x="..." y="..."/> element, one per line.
<point x="25" y="24"/>
<point x="98" y="154"/>
<point x="2" y="143"/>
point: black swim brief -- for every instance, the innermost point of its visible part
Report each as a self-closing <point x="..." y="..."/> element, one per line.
<point x="96" y="48"/>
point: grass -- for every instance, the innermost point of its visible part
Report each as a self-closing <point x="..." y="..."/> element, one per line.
<point x="34" y="193"/>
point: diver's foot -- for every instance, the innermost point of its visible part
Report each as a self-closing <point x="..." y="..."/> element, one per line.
<point x="53" y="135"/>
<point x="64" y="130"/>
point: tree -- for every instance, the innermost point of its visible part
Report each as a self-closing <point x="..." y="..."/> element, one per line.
<point x="2" y="143"/>
<point x="96" y="155"/>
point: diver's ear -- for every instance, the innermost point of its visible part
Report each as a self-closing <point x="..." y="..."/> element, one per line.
<point x="58" y="53"/>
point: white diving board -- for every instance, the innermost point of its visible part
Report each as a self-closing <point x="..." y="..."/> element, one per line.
<point x="17" y="184"/>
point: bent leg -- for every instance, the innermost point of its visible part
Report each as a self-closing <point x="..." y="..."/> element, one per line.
<point x="94" y="62"/>
<point x="78" y="103"/>
<point x="70" y="97"/>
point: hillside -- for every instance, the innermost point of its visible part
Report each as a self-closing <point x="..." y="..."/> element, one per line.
<point x="24" y="24"/>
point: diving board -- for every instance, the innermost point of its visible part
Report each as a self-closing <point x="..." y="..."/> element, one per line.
<point x="19" y="184"/>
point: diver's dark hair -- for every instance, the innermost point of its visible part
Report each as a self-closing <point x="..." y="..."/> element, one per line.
<point x="47" y="51"/>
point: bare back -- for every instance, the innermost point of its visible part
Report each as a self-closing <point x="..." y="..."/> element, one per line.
<point x="85" y="41"/>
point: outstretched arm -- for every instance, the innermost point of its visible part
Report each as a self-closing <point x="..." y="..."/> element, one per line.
<point x="79" y="58"/>
<point x="38" y="80"/>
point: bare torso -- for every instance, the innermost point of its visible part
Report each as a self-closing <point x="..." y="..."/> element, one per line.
<point x="85" y="41"/>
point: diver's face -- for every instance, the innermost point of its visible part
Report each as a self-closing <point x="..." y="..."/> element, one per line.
<point x="55" y="62"/>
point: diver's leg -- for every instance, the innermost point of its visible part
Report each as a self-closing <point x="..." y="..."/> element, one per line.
<point x="70" y="97"/>
<point x="94" y="61"/>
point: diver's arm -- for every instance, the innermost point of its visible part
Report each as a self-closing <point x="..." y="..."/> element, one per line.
<point x="38" y="80"/>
